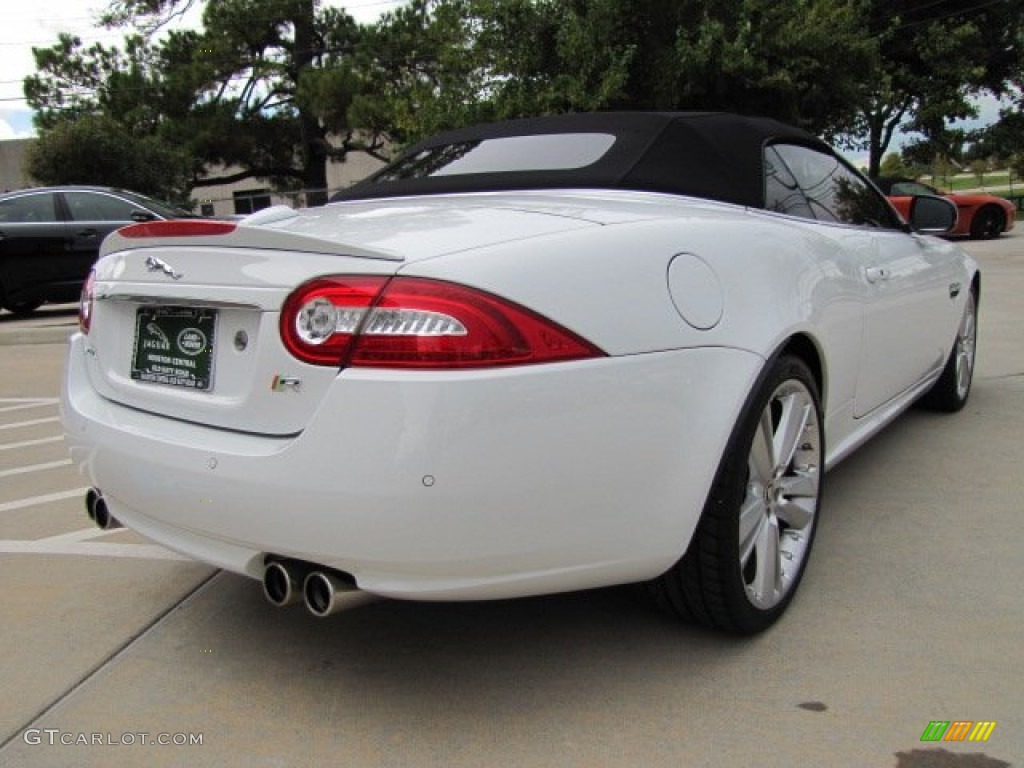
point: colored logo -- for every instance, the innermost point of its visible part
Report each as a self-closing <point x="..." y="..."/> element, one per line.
<point x="958" y="730"/>
<point x="285" y="384"/>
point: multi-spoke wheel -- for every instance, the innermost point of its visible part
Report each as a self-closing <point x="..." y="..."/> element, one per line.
<point x="752" y="544"/>
<point x="777" y="516"/>
<point x="950" y="391"/>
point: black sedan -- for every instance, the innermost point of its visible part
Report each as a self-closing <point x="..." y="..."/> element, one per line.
<point x="50" y="237"/>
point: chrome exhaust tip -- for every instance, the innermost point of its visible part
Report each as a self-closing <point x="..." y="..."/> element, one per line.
<point x="282" y="583"/>
<point x="96" y="508"/>
<point x="325" y="592"/>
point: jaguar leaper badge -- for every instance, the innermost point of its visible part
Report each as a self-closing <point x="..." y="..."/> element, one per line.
<point x="153" y="264"/>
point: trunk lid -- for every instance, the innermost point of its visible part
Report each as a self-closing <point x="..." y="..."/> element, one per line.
<point x="187" y="327"/>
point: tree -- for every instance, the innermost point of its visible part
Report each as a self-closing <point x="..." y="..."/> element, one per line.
<point x="262" y="87"/>
<point x="931" y="58"/>
<point x="280" y="87"/>
<point x="979" y="168"/>
<point x="98" y="150"/>
<point x="797" y="60"/>
<point x="893" y="165"/>
<point x="1003" y="138"/>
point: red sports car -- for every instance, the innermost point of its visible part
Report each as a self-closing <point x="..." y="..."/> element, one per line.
<point x="981" y="216"/>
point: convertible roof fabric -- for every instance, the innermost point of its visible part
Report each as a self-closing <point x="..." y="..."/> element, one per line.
<point x="711" y="155"/>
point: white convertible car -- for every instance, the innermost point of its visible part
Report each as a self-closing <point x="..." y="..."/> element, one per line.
<point x="530" y="357"/>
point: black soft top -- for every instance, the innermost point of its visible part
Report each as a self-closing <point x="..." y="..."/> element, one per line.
<point x="703" y="154"/>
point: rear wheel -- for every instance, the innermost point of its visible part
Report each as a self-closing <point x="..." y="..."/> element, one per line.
<point x="950" y="391"/>
<point x="750" y="549"/>
<point x="987" y="223"/>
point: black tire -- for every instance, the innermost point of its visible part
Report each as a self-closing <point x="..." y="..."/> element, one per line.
<point x="23" y="308"/>
<point x="718" y="582"/>
<point x="953" y="387"/>
<point x="987" y="223"/>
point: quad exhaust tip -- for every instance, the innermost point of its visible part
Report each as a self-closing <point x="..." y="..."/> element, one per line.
<point x="282" y="584"/>
<point x="96" y="509"/>
<point x="323" y="591"/>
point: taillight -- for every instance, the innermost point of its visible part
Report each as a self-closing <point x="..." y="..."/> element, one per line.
<point x="86" y="300"/>
<point x="319" y="320"/>
<point x="407" y="322"/>
<point x="177" y="228"/>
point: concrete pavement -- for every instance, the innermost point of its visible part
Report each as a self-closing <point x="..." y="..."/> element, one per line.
<point x="50" y="324"/>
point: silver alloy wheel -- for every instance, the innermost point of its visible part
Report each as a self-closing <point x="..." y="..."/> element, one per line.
<point x="965" y="341"/>
<point x="779" y="509"/>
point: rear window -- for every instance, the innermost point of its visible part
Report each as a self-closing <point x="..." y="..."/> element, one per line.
<point x="548" y="152"/>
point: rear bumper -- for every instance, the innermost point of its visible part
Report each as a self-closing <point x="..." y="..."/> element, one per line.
<point x="436" y="485"/>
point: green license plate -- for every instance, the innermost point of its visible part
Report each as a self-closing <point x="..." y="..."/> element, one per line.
<point x="174" y="346"/>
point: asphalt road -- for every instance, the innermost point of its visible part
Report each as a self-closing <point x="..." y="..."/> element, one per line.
<point x="911" y="612"/>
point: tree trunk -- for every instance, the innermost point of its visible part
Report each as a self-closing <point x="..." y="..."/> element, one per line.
<point x="313" y="136"/>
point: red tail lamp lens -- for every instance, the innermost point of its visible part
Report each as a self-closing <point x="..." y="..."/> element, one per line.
<point x="86" y="302"/>
<point x="320" y="319"/>
<point x="418" y="323"/>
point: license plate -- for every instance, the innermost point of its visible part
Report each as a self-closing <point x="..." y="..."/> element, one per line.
<point x="174" y="346"/>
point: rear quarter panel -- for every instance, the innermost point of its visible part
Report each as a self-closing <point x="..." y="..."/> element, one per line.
<point x="778" y="277"/>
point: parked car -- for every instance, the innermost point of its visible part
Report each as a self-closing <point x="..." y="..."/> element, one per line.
<point x="980" y="216"/>
<point x="50" y="237"/>
<point x="529" y="357"/>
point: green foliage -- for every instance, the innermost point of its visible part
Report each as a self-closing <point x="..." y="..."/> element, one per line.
<point x="979" y="168"/>
<point x="261" y="87"/>
<point x="893" y="165"/>
<point x="449" y="62"/>
<point x="1017" y="165"/>
<point x="279" y="88"/>
<point x="930" y="60"/>
<point x="1002" y="139"/>
<point x="98" y="150"/>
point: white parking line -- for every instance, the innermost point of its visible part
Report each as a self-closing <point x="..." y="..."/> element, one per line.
<point x="26" y="406"/>
<point x="34" y="468"/>
<point x="89" y="549"/>
<point x="30" y="443"/>
<point x="10" y="506"/>
<point x="32" y="423"/>
<point x="85" y="534"/>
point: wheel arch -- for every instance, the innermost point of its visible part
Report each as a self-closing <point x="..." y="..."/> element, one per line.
<point x="803" y="346"/>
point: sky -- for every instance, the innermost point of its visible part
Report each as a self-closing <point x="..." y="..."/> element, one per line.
<point x="37" y="23"/>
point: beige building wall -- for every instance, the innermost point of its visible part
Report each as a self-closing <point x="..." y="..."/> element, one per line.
<point x="224" y="199"/>
<point x="12" y="164"/>
<point x="218" y="200"/>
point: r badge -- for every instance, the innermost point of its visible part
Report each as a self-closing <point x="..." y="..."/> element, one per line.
<point x="285" y="384"/>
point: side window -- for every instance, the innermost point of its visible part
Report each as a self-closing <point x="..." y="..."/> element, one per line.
<point x="911" y="188"/>
<point x="833" y="191"/>
<point x="90" y="206"/>
<point x="28" y="209"/>
<point x="781" y="192"/>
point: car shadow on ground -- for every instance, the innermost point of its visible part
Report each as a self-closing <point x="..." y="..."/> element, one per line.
<point x="45" y="313"/>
